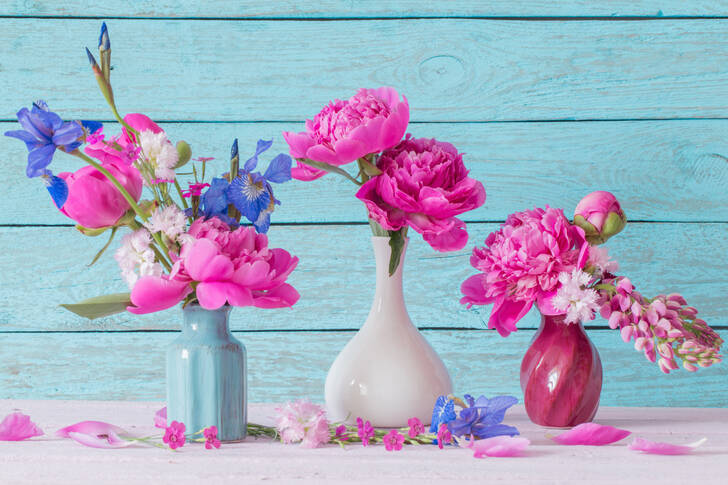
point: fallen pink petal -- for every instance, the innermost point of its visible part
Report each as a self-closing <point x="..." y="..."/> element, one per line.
<point x="18" y="427"/>
<point x="499" y="446"/>
<point x="659" y="448"/>
<point x="591" y="434"/>
<point x="160" y="418"/>
<point x="96" y="434"/>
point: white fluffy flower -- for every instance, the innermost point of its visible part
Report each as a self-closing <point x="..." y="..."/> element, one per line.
<point x="579" y="303"/>
<point x="599" y="259"/>
<point x="160" y="153"/>
<point x="135" y="253"/>
<point x="169" y="220"/>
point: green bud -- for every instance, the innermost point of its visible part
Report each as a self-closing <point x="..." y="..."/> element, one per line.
<point x="86" y="231"/>
<point x="185" y="153"/>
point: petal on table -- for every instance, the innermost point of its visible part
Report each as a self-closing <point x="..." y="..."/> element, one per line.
<point x="591" y="434"/>
<point x="17" y="427"/>
<point x="659" y="448"/>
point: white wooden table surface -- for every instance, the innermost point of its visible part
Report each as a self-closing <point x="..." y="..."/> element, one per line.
<point x="48" y="459"/>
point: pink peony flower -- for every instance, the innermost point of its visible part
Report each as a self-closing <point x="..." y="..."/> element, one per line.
<point x="424" y="184"/>
<point x="415" y="427"/>
<point x="93" y="201"/>
<point x="229" y="267"/>
<point x="139" y="122"/>
<point x="370" y="121"/>
<point x="174" y="435"/>
<point x="600" y="215"/>
<point x="210" y="435"/>
<point x="365" y="431"/>
<point x="17" y="427"/>
<point x="393" y="440"/>
<point x="303" y="421"/>
<point x="521" y="263"/>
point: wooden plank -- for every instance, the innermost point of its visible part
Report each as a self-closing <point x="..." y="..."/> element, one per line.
<point x="371" y="8"/>
<point x="450" y="69"/>
<point x="273" y="462"/>
<point x="659" y="170"/>
<point x="286" y="366"/>
<point x="43" y="267"/>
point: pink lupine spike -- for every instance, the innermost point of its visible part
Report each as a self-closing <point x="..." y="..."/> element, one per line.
<point x="659" y="448"/>
<point x="591" y="434"/>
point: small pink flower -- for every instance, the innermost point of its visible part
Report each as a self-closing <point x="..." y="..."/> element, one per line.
<point x="210" y="435"/>
<point x="393" y="440"/>
<point x="370" y="121"/>
<point x="415" y="427"/>
<point x="195" y="190"/>
<point x="424" y="184"/>
<point x="174" y="435"/>
<point x="591" y="434"/>
<point x="303" y="421"/>
<point x="341" y="433"/>
<point x="160" y="418"/>
<point x="365" y="431"/>
<point x="444" y="436"/>
<point x="17" y="427"/>
<point x="203" y="159"/>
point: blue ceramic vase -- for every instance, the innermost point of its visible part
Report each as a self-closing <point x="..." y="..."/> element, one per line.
<point x="207" y="375"/>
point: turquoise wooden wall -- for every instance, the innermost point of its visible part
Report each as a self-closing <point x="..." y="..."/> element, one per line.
<point x="550" y="100"/>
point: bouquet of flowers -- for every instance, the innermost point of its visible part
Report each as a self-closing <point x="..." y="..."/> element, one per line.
<point x="539" y="256"/>
<point x="412" y="182"/>
<point x="186" y="245"/>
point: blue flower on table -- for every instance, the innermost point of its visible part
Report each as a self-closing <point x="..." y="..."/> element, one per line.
<point x="482" y="418"/>
<point x="442" y="413"/>
<point x="251" y="192"/>
<point x="44" y="131"/>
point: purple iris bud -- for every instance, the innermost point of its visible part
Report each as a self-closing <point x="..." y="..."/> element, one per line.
<point x="91" y="59"/>
<point x="234" y="150"/>
<point x="44" y="131"/>
<point x="251" y="192"/>
<point x="104" y="43"/>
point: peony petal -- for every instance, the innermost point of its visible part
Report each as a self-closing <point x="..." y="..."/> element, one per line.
<point x="214" y="294"/>
<point x="591" y="434"/>
<point x="280" y="297"/>
<point x="499" y="446"/>
<point x="17" y="427"/>
<point x="544" y="301"/>
<point x="299" y="143"/>
<point x="96" y="434"/>
<point x="204" y="262"/>
<point x="152" y="294"/>
<point x="506" y="313"/>
<point x="658" y="448"/>
<point x="160" y="418"/>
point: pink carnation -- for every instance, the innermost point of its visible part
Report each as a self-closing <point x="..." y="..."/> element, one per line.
<point x="303" y="421"/>
<point x="370" y="121"/>
<point x="229" y="267"/>
<point x="520" y="265"/>
<point x="424" y="184"/>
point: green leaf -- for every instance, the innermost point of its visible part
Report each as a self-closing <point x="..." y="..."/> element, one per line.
<point x="329" y="168"/>
<point x="369" y="168"/>
<point x="100" y="306"/>
<point x="396" y="242"/>
<point x="106" y="246"/>
<point x="91" y="232"/>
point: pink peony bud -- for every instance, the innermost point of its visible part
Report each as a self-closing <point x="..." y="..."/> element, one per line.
<point x="600" y="215"/>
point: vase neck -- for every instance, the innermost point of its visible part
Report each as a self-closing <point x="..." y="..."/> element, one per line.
<point x="388" y="295"/>
<point x="207" y="323"/>
<point x="557" y="323"/>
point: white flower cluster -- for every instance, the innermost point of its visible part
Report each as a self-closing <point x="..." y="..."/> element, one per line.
<point x="134" y="253"/>
<point x="160" y="153"/>
<point x="170" y="221"/>
<point x="579" y="302"/>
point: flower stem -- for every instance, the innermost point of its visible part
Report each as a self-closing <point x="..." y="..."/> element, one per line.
<point x="181" y="197"/>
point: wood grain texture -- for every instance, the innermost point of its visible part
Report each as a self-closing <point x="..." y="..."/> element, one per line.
<point x="450" y="69"/>
<point x="659" y="170"/>
<point x="272" y="462"/>
<point x="288" y="366"/>
<point x="335" y="277"/>
<point x="369" y="8"/>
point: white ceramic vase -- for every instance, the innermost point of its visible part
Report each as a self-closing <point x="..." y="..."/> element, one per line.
<point x="388" y="372"/>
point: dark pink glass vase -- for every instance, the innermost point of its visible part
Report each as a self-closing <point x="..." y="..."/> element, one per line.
<point x="561" y="375"/>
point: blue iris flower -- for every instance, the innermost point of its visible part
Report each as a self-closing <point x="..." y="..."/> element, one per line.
<point x="214" y="202"/>
<point x="44" y="131"/>
<point x="443" y="412"/>
<point x="483" y="417"/>
<point x="251" y="192"/>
